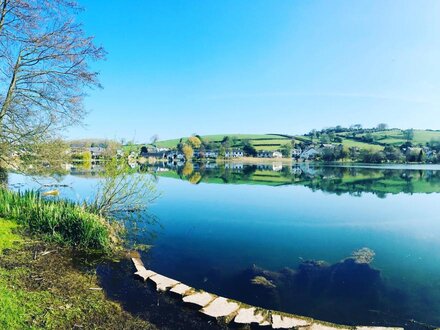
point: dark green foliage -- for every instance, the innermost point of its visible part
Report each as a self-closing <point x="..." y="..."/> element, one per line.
<point x="58" y="220"/>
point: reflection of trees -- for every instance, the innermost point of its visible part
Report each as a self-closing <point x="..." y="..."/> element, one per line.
<point x="336" y="180"/>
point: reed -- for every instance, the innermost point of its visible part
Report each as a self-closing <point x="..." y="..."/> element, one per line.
<point x="60" y="221"/>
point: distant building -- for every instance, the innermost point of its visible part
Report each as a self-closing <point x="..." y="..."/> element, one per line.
<point x="211" y="153"/>
<point x="310" y="154"/>
<point x="96" y="151"/>
<point x="234" y="153"/>
<point x="277" y="154"/>
<point x="152" y="152"/>
<point x="269" y="154"/>
<point x="296" y="152"/>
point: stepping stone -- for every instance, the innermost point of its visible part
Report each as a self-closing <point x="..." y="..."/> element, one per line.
<point x="138" y="264"/>
<point x="145" y="274"/>
<point x="287" y="322"/>
<point x="248" y="316"/>
<point x="220" y="307"/>
<point x="163" y="283"/>
<point x="377" y="328"/>
<point x="324" y="326"/>
<point x="180" y="289"/>
<point x="200" y="298"/>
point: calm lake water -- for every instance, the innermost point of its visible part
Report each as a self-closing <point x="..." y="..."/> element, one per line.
<point x="283" y="238"/>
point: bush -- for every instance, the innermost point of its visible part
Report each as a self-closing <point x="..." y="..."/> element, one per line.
<point x="58" y="220"/>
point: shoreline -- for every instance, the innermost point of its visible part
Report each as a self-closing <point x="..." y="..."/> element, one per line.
<point x="47" y="286"/>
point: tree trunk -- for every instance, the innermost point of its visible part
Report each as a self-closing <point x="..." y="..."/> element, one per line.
<point x="8" y="99"/>
<point x="3" y="7"/>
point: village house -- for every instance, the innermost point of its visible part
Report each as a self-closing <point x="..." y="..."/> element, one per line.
<point x="296" y="152"/>
<point x="310" y="154"/>
<point x="211" y="153"/>
<point x="269" y="154"/>
<point x="96" y="152"/>
<point x="152" y="152"/>
<point x="234" y="153"/>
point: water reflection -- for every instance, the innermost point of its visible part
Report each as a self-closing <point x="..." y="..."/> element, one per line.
<point x="332" y="179"/>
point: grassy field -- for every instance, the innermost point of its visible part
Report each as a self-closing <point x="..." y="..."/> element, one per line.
<point x="275" y="142"/>
<point x="396" y="137"/>
<point x="347" y="143"/>
<point x="253" y="138"/>
<point x="49" y="291"/>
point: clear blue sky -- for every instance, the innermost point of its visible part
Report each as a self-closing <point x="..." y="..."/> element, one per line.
<point x="261" y="66"/>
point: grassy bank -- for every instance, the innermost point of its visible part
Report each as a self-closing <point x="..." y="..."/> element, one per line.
<point x="59" y="221"/>
<point x="41" y="287"/>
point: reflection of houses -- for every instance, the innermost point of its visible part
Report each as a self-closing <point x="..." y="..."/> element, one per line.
<point x="211" y="165"/>
<point x="296" y="170"/>
<point x="234" y="153"/>
<point x="234" y="166"/>
<point x="269" y="154"/>
<point x="276" y="167"/>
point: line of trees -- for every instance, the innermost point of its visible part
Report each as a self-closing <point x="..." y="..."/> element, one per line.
<point x="45" y="61"/>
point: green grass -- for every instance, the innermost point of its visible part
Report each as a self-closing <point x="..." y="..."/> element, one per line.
<point x="254" y="138"/>
<point x="7" y="238"/>
<point x="50" y="292"/>
<point x="396" y="137"/>
<point x="57" y="220"/>
<point x="347" y="143"/>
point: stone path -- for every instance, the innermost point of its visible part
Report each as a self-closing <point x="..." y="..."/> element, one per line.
<point x="233" y="311"/>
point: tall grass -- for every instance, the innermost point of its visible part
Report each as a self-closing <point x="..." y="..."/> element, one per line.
<point x="58" y="220"/>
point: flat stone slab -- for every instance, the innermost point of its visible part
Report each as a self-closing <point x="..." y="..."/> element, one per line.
<point x="220" y="307"/>
<point x="180" y="289"/>
<point x="287" y="322"/>
<point x="200" y="298"/>
<point x="145" y="274"/>
<point x="163" y="283"/>
<point x="377" y="328"/>
<point x="138" y="264"/>
<point x="248" y="316"/>
<point x="323" y="326"/>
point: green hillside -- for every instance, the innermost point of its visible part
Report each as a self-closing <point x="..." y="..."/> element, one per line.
<point x="260" y="141"/>
<point x="368" y="139"/>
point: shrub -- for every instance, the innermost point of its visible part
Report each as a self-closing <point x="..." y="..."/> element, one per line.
<point x="59" y="220"/>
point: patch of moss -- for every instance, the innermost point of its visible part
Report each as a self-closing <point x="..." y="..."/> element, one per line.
<point x="8" y="238"/>
<point x="41" y="287"/>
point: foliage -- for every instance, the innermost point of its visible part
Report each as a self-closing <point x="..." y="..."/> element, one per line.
<point x="194" y="141"/>
<point x="188" y="151"/>
<point x="60" y="221"/>
<point x="122" y="190"/>
<point x="7" y="238"/>
<point x="44" y="68"/>
<point x="408" y="134"/>
<point x="188" y="169"/>
<point x="286" y="150"/>
<point x="249" y="149"/>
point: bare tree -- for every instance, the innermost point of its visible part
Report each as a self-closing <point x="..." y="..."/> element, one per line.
<point x="44" y="70"/>
<point x="154" y="139"/>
